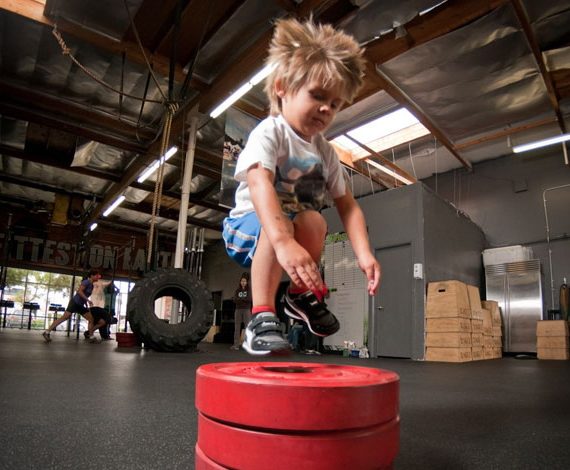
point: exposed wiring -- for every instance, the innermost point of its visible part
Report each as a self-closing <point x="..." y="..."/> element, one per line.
<point x="136" y="33"/>
<point x="435" y="154"/>
<point x="412" y="160"/>
<point x="370" y="177"/>
<point x="186" y="84"/>
<point x="394" y="162"/>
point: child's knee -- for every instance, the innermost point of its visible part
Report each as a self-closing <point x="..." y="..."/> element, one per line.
<point x="312" y="219"/>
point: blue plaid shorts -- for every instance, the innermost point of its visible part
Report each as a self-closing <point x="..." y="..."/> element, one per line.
<point x="240" y="236"/>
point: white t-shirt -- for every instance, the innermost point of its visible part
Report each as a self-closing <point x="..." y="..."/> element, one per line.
<point x="304" y="171"/>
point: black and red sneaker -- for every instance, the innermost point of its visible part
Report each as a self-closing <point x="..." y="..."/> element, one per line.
<point x="264" y="335"/>
<point x="308" y="308"/>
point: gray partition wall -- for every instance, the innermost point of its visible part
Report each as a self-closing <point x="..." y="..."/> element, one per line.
<point x="411" y="226"/>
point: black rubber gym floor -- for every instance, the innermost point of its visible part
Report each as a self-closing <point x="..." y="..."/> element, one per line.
<point x="75" y="405"/>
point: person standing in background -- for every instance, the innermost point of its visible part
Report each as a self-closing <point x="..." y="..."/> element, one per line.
<point x="80" y="303"/>
<point x="242" y="299"/>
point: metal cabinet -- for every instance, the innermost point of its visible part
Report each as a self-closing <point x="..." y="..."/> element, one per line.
<point x="517" y="287"/>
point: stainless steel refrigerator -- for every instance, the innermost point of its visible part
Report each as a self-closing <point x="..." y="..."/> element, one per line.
<point x="517" y="287"/>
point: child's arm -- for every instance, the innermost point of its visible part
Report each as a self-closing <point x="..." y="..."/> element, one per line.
<point x="292" y="257"/>
<point x="355" y="225"/>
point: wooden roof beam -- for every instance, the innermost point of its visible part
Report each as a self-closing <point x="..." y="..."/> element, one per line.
<point x="537" y="53"/>
<point x="34" y="11"/>
<point x="395" y="92"/>
<point x="395" y="168"/>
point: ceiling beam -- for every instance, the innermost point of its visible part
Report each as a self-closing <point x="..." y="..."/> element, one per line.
<point x="382" y="159"/>
<point x="359" y="167"/>
<point x="15" y="152"/>
<point x="26" y="183"/>
<point x="34" y="11"/>
<point x="140" y="163"/>
<point x="453" y="15"/>
<point x="438" y="22"/>
<point x="504" y="133"/>
<point x="51" y="161"/>
<point x="200" y="21"/>
<point x="143" y="207"/>
<point x="227" y="81"/>
<point x="195" y="201"/>
<point x="28" y="105"/>
<point x="170" y="214"/>
<point x="537" y="53"/>
<point x="253" y="58"/>
<point x="376" y="175"/>
<point x="398" y="94"/>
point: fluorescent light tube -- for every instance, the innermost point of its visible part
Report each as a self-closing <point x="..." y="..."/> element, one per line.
<point x="93" y="226"/>
<point x="262" y="74"/>
<point x="152" y="168"/>
<point x="389" y="172"/>
<point x="236" y="95"/>
<point x="113" y="206"/>
<point x="242" y="90"/>
<point x="541" y="143"/>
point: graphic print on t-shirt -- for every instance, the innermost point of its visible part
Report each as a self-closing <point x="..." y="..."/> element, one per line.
<point x="300" y="184"/>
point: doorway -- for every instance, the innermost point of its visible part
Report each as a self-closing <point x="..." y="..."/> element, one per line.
<point x="392" y="313"/>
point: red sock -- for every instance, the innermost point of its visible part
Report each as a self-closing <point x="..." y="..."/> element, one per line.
<point x="321" y="294"/>
<point x="297" y="290"/>
<point x="262" y="308"/>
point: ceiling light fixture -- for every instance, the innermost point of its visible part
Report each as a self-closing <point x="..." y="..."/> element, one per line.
<point x="541" y="143"/>
<point x="93" y="226"/>
<point x="113" y="206"/>
<point x="388" y="171"/>
<point x="242" y="90"/>
<point x="152" y="168"/>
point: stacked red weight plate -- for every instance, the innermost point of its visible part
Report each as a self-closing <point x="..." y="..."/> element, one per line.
<point x="278" y="416"/>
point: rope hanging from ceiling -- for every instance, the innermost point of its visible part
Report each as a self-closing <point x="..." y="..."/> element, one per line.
<point x="171" y="109"/>
<point x="67" y="51"/>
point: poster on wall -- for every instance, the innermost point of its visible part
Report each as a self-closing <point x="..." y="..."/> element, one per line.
<point x="238" y="127"/>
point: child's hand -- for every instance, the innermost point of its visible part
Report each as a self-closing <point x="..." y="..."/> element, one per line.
<point x="299" y="265"/>
<point x="370" y="266"/>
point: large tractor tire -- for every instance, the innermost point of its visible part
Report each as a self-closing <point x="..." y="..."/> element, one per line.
<point x="159" y="334"/>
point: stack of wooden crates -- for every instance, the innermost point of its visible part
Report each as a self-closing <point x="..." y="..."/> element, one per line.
<point x="552" y="339"/>
<point x="457" y="324"/>
<point x="492" y="330"/>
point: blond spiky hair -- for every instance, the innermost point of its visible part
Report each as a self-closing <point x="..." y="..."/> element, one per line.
<point x="303" y="52"/>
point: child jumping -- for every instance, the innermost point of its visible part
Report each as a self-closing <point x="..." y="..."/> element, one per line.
<point x="284" y="173"/>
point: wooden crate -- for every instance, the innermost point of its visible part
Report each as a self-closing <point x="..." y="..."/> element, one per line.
<point x="556" y="342"/>
<point x="487" y="322"/>
<point x="477" y="325"/>
<point x="474" y="300"/>
<point x="477" y="353"/>
<point x="492" y="352"/>
<point x="448" y="340"/>
<point x="449" y="354"/>
<point x="447" y="299"/>
<point x="448" y="325"/>
<point x="551" y="328"/>
<point x="477" y="340"/>
<point x="553" y="353"/>
<point x="493" y="307"/>
<point x="497" y="353"/>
